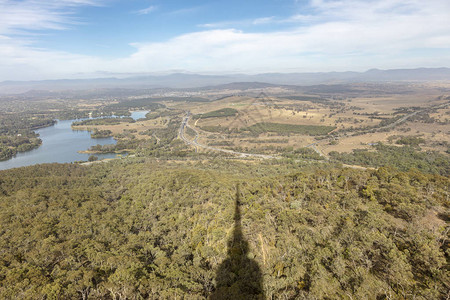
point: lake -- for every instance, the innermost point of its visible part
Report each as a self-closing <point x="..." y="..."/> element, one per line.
<point x="136" y="115"/>
<point x="60" y="144"/>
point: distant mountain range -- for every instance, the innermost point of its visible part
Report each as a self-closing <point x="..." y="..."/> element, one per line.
<point x="183" y="80"/>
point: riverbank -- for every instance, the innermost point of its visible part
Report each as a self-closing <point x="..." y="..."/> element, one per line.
<point x="60" y="144"/>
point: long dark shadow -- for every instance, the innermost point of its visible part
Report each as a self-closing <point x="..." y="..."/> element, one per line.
<point x="238" y="277"/>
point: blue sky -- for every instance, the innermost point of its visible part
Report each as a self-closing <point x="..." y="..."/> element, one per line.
<point x="108" y="30"/>
<point x="51" y="39"/>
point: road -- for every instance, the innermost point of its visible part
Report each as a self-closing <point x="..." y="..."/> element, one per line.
<point x="389" y="126"/>
<point x="313" y="146"/>
<point x="157" y="138"/>
<point x="195" y="143"/>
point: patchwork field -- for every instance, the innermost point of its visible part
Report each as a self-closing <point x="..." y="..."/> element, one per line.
<point x="273" y="124"/>
<point x="278" y="120"/>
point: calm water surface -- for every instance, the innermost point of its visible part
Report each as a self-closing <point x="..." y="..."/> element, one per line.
<point x="139" y="114"/>
<point x="60" y="144"/>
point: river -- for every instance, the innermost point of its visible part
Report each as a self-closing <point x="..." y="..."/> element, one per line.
<point x="61" y="144"/>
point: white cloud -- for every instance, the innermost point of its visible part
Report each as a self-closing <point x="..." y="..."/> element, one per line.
<point x="345" y="35"/>
<point x="240" y="23"/>
<point x="32" y="15"/>
<point x="186" y="11"/>
<point x="146" y="11"/>
<point x="339" y="35"/>
<point x="22" y="23"/>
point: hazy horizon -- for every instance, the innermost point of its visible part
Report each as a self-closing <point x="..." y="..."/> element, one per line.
<point x="119" y="76"/>
<point x="90" y="38"/>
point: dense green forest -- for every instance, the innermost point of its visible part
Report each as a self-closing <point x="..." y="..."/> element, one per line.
<point x="101" y="133"/>
<point x="17" y="135"/>
<point x="144" y="228"/>
<point x="219" y="129"/>
<point x="168" y="222"/>
<point x="10" y="145"/>
<point x="103" y="121"/>
<point x="220" y="113"/>
<point x="279" y="128"/>
<point x="161" y="113"/>
<point x="403" y="158"/>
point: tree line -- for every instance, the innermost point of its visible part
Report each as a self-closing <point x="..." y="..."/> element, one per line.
<point x="145" y="228"/>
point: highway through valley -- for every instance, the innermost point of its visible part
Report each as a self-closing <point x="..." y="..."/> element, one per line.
<point x="197" y="145"/>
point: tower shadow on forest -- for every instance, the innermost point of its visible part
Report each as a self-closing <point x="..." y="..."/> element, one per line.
<point x="238" y="277"/>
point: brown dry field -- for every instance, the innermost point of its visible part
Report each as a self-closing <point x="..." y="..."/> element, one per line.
<point x="350" y="112"/>
<point x="251" y="112"/>
<point x="139" y="126"/>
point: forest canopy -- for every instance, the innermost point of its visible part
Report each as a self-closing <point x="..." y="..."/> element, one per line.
<point x="139" y="228"/>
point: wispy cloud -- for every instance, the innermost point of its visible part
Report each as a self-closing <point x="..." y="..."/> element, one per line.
<point x="272" y="20"/>
<point x="31" y="15"/>
<point x="186" y="11"/>
<point x="22" y="22"/>
<point x="338" y="35"/>
<point x="146" y="11"/>
<point x="335" y="35"/>
<point x="265" y="20"/>
<point x="239" y="23"/>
